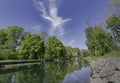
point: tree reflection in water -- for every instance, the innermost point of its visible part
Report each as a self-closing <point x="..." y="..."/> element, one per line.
<point x="50" y="72"/>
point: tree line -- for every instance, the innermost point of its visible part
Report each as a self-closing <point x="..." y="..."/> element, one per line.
<point x="15" y="43"/>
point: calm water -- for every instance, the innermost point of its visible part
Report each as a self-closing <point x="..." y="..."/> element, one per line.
<point x="50" y="72"/>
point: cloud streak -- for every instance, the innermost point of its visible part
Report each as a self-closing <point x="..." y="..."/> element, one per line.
<point x="50" y="13"/>
<point x="71" y="42"/>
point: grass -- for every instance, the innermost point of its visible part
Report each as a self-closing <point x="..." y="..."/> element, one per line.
<point x="14" y="60"/>
<point x="19" y="64"/>
<point x="93" y="58"/>
<point x="114" y="53"/>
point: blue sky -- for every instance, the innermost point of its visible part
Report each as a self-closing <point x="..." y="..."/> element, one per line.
<point x="67" y="19"/>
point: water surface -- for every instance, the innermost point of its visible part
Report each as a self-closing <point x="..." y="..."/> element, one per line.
<point x="50" y="72"/>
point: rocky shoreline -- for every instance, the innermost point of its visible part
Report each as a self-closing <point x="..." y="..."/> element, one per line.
<point x="105" y="70"/>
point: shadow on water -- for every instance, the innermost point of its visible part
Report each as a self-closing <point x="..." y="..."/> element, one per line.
<point x="50" y="72"/>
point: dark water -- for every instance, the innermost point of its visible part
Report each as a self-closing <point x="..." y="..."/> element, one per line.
<point x="50" y="72"/>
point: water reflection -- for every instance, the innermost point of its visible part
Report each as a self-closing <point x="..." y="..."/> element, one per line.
<point x="81" y="76"/>
<point x="13" y="79"/>
<point x="50" y="72"/>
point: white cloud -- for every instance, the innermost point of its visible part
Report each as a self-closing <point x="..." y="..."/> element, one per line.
<point x="52" y="17"/>
<point x="71" y="42"/>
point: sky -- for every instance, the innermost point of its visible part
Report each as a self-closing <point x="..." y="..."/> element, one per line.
<point x="66" y="19"/>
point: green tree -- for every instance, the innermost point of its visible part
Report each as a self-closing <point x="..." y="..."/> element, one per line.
<point x="14" y="34"/>
<point x="76" y="52"/>
<point x="3" y="36"/>
<point x="32" y="48"/>
<point x="6" y="47"/>
<point x="98" y="41"/>
<point x="72" y="52"/>
<point x="91" y="40"/>
<point x="85" y="53"/>
<point x="69" y="52"/>
<point x="54" y="48"/>
<point x="113" y="26"/>
<point x="26" y="35"/>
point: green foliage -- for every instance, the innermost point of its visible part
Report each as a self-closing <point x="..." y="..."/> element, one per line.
<point x="7" y="46"/>
<point x="76" y="52"/>
<point x="113" y="25"/>
<point x="26" y="35"/>
<point x="54" y="49"/>
<point x="14" y="33"/>
<point x="6" y="54"/>
<point x="69" y="51"/>
<point x="17" y="44"/>
<point x="3" y="36"/>
<point x="32" y="48"/>
<point x="98" y="41"/>
<point x="115" y="53"/>
<point x="72" y="52"/>
<point x="85" y="53"/>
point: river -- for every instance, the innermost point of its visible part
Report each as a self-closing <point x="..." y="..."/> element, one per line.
<point x="50" y="72"/>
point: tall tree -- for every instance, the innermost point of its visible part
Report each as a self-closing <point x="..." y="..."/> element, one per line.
<point x="14" y="33"/>
<point x="54" y="48"/>
<point x="98" y="41"/>
<point x="7" y="46"/>
<point x="113" y="26"/>
<point x="69" y="52"/>
<point x="25" y="36"/>
<point x="3" y="36"/>
<point x="32" y="48"/>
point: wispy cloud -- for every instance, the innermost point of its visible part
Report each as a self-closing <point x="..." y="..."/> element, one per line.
<point x="50" y="13"/>
<point x="71" y="42"/>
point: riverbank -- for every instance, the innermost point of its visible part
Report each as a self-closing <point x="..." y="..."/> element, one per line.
<point x="114" y="53"/>
<point x="18" y="62"/>
<point x="105" y="70"/>
<point x="10" y="63"/>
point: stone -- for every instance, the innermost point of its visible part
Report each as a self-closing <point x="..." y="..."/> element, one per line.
<point x="105" y="70"/>
<point x="95" y="76"/>
<point x="95" y="67"/>
<point x="116" y="77"/>
<point x="97" y="80"/>
<point x="118" y="66"/>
